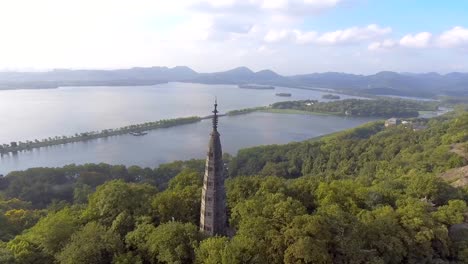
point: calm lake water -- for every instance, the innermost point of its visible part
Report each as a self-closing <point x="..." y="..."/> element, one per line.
<point x="31" y="114"/>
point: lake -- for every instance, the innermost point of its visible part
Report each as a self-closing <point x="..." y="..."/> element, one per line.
<point x="31" y="114"/>
<point x="37" y="114"/>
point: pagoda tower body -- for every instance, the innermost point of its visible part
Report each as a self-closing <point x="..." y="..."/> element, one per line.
<point x="213" y="201"/>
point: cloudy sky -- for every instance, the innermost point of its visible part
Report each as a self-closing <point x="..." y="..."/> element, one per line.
<point x="288" y="36"/>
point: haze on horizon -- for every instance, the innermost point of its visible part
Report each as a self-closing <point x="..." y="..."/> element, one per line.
<point x="287" y="36"/>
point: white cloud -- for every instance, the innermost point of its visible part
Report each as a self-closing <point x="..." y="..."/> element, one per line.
<point x="455" y="37"/>
<point x="273" y="36"/>
<point x="265" y="50"/>
<point x="299" y="7"/>
<point x="420" y="40"/>
<point x="305" y="37"/>
<point x="289" y="7"/>
<point x="383" y="45"/>
<point x="353" y="35"/>
<point x="274" y="4"/>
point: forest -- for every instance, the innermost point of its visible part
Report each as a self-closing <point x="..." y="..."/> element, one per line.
<point x="365" y="195"/>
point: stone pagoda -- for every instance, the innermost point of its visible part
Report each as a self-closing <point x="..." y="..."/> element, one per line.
<point x="213" y="201"/>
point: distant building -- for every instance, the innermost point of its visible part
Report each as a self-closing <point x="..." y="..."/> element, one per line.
<point x="392" y="122"/>
<point x="213" y="217"/>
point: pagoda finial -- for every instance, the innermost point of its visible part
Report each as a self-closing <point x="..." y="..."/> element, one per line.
<point x="215" y="116"/>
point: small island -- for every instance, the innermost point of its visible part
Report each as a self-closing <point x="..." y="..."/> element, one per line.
<point x="331" y="96"/>
<point x="283" y="94"/>
<point x="256" y="87"/>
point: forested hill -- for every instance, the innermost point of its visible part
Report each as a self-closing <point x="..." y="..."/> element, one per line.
<point x="366" y="195"/>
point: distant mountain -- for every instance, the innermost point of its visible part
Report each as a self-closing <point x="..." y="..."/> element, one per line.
<point x="386" y="82"/>
<point x="65" y="77"/>
<point x="389" y="83"/>
<point x="240" y="75"/>
<point x="234" y="76"/>
<point x="333" y="80"/>
<point x="154" y="73"/>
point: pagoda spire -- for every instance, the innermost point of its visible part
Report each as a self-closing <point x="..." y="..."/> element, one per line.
<point x="215" y="115"/>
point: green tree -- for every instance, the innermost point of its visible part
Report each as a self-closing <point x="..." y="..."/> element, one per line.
<point x="186" y="209"/>
<point x="6" y="257"/>
<point x="428" y="239"/>
<point x="240" y="188"/>
<point x="53" y="232"/>
<point x="348" y="194"/>
<point x="384" y="235"/>
<point x="21" y="219"/>
<point x="243" y="250"/>
<point x="81" y="193"/>
<point x="173" y="242"/>
<point x="452" y="213"/>
<point x="186" y="178"/>
<point x="185" y="188"/>
<point x="137" y="240"/>
<point x="115" y="197"/>
<point x="308" y="238"/>
<point x="94" y="243"/>
<point x="277" y="207"/>
<point x="27" y="252"/>
<point x="211" y="250"/>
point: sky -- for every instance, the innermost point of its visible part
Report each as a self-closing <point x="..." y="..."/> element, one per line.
<point x="287" y="36"/>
